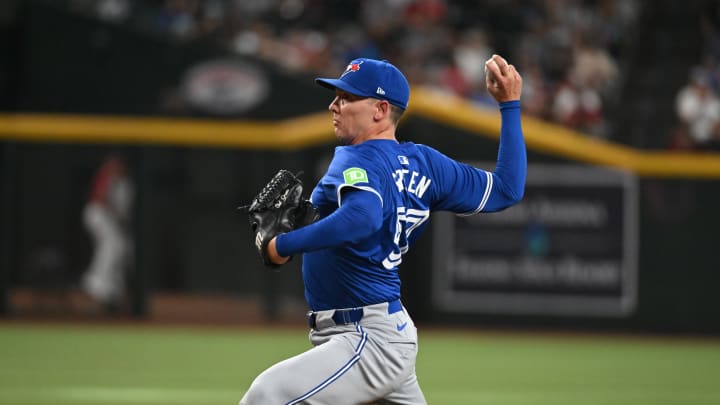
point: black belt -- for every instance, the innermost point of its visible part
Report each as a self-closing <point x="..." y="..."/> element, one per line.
<point x="352" y="315"/>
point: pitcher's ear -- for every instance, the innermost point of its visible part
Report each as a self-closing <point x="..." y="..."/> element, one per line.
<point x="382" y="109"/>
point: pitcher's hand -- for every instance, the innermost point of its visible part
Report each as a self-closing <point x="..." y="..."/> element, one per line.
<point x="503" y="81"/>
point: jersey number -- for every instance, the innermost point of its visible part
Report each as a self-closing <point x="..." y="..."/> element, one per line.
<point x="407" y="221"/>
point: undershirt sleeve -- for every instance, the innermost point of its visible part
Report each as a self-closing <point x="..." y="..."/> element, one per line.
<point x="508" y="178"/>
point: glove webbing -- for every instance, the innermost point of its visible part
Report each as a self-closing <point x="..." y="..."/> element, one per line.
<point x="274" y="193"/>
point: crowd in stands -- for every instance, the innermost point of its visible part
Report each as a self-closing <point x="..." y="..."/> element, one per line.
<point x="697" y="104"/>
<point x="569" y="51"/>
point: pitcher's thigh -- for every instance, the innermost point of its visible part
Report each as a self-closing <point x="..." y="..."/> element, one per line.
<point x="408" y="394"/>
<point x="326" y="374"/>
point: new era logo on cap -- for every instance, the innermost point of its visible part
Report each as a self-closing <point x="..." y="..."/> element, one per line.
<point x="372" y="78"/>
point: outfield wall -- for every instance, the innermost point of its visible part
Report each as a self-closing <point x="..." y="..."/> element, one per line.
<point x="190" y="238"/>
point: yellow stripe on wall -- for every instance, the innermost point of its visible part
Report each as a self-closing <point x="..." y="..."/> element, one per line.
<point x="285" y="134"/>
<point x="316" y="129"/>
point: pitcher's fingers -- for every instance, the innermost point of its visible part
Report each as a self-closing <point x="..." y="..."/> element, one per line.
<point x="493" y="67"/>
<point x="514" y="72"/>
<point x="501" y="62"/>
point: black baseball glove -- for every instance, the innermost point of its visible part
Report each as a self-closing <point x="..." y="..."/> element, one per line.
<point x="278" y="208"/>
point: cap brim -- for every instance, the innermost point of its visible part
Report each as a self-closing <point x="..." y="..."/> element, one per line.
<point x="333" y="84"/>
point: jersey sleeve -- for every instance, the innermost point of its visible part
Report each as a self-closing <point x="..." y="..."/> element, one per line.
<point x="345" y="216"/>
<point x="467" y="190"/>
<point x="357" y="218"/>
<point x="352" y="170"/>
<point x="460" y="188"/>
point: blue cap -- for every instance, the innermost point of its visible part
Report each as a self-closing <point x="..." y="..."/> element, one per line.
<point x="372" y="78"/>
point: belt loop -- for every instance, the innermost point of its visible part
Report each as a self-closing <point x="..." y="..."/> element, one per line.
<point x="394" y="306"/>
<point x="311" y="319"/>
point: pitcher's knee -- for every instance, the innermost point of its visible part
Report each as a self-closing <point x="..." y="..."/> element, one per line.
<point x="262" y="391"/>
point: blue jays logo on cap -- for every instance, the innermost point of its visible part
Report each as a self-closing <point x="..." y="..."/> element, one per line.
<point x="372" y="78"/>
<point x="352" y="67"/>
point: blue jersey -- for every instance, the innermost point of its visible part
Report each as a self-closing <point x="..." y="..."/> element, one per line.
<point x="409" y="181"/>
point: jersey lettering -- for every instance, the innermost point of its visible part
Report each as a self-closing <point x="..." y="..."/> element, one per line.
<point x="415" y="186"/>
<point x="398" y="176"/>
<point x="407" y="220"/>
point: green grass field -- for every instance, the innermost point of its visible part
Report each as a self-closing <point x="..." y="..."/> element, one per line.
<point x="134" y="365"/>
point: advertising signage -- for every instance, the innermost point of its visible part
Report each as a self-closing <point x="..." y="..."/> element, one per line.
<point x="569" y="248"/>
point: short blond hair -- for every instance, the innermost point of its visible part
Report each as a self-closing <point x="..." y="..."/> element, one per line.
<point x="395" y="114"/>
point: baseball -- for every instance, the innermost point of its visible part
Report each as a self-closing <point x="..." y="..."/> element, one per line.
<point x="488" y="72"/>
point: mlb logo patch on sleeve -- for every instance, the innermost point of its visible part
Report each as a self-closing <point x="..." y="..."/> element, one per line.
<point x="355" y="175"/>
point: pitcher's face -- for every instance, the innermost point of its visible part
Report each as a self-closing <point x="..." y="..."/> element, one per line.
<point x="352" y="116"/>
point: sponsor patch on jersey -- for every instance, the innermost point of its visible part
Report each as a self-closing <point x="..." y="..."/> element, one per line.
<point x="355" y="175"/>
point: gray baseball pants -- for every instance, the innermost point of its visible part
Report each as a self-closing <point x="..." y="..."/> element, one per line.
<point x="364" y="362"/>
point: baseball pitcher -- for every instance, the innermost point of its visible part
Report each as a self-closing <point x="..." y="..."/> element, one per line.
<point x="365" y="213"/>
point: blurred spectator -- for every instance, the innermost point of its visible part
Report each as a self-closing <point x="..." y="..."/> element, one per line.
<point x="680" y="139"/>
<point x="107" y="217"/>
<point x="113" y="10"/>
<point x="470" y="54"/>
<point x="535" y="94"/>
<point x="177" y="17"/>
<point x="698" y="108"/>
<point x="351" y="42"/>
<point x="593" y="67"/>
<point x="579" y="108"/>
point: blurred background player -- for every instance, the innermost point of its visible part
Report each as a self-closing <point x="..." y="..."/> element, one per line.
<point x="106" y="217"/>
